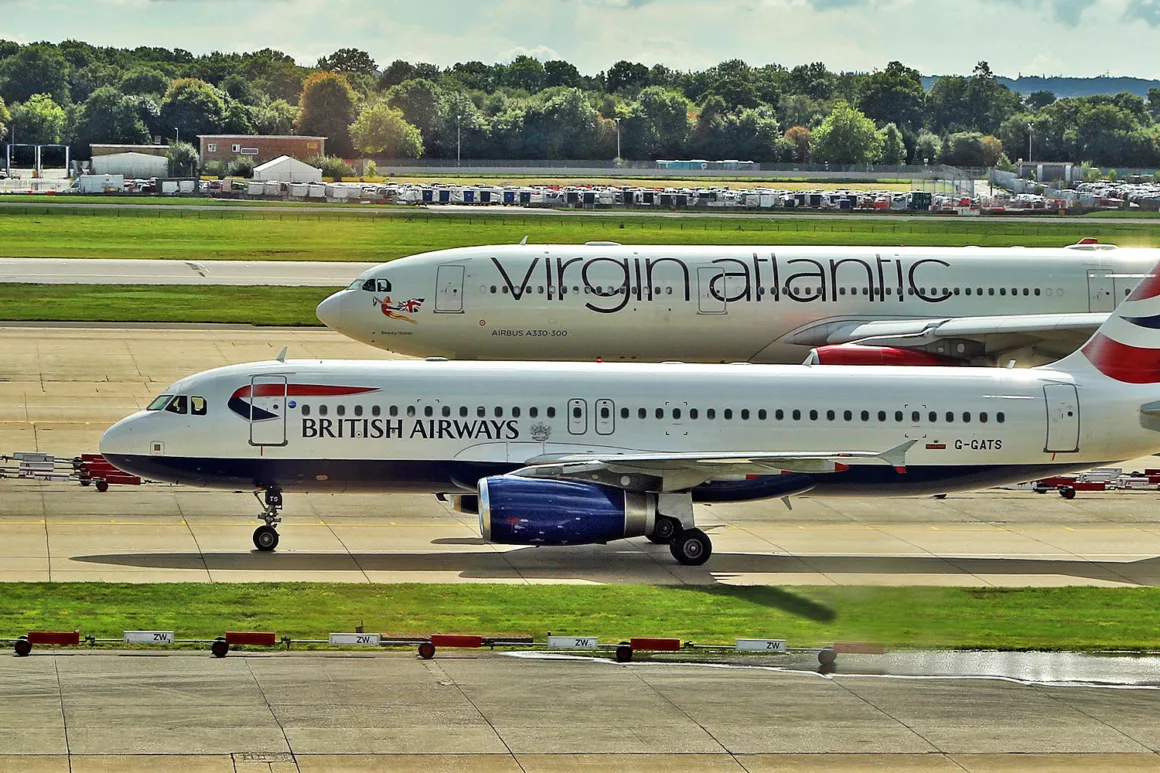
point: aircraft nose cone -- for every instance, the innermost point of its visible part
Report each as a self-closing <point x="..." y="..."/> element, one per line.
<point x="329" y="312"/>
<point x="119" y="440"/>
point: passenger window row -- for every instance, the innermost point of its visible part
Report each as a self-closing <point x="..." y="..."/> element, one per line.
<point x="779" y="414"/>
<point x="676" y="414"/>
<point x="806" y="291"/>
<point x="431" y="411"/>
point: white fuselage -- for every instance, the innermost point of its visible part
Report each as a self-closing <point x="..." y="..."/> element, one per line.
<point x="705" y="304"/>
<point x="436" y="426"/>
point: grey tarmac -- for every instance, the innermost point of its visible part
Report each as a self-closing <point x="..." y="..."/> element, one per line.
<point x="60" y="387"/>
<point x="484" y="711"/>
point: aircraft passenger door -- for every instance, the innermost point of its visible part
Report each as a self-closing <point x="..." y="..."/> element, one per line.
<point x="268" y="411"/>
<point x="605" y="417"/>
<point x="710" y="290"/>
<point x="577" y="416"/>
<point x="1062" y="419"/>
<point x="1101" y="290"/>
<point x="449" y="290"/>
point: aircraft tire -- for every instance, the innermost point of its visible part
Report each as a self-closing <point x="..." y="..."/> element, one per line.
<point x="265" y="538"/>
<point x="219" y="648"/>
<point x="664" y="530"/>
<point x="691" y="547"/>
<point x="623" y="652"/>
<point x="426" y="650"/>
<point x="23" y="647"/>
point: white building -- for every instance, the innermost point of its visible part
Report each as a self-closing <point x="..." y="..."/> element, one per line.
<point x="131" y="165"/>
<point x="288" y="170"/>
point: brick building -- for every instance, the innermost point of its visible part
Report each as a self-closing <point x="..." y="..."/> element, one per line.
<point x="262" y="148"/>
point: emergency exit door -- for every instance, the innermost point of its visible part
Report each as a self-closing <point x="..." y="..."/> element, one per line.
<point x="577" y="416"/>
<point x="268" y="411"/>
<point x="1062" y="419"/>
<point x="449" y="290"/>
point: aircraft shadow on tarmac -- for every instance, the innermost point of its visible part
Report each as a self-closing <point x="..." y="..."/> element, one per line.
<point x="609" y="564"/>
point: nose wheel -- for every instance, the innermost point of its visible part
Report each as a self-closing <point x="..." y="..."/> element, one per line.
<point x="266" y="537"/>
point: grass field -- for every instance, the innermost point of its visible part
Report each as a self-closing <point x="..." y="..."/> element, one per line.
<point x="1033" y="618"/>
<point x="161" y="303"/>
<point x="245" y="235"/>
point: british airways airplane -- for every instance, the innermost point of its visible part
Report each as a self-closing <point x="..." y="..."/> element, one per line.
<point x="573" y="453"/>
<point x="832" y="305"/>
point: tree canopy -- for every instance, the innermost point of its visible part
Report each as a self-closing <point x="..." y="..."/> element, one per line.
<point x="526" y="108"/>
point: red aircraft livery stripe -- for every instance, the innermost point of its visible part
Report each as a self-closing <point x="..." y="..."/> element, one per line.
<point x="1129" y="364"/>
<point x="299" y="390"/>
<point x="1149" y="288"/>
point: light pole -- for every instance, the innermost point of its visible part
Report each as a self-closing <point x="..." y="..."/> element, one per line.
<point x="458" y="140"/>
<point x="617" y="138"/>
<point x="176" y="135"/>
<point x="1029" y="135"/>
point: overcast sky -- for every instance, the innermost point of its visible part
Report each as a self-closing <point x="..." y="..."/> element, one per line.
<point x="1054" y="37"/>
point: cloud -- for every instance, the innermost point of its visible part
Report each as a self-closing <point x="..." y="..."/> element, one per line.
<point x="1147" y="11"/>
<point x="541" y="52"/>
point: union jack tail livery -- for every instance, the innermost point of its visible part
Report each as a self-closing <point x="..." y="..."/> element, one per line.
<point x="1126" y="347"/>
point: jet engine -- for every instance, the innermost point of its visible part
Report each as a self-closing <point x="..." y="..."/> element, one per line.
<point x="523" y="511"/>
<point x="857" y="354"/>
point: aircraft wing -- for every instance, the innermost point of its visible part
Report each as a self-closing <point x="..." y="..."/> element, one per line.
<point x="666" y="472"/>
<point x="1049" y="335"/>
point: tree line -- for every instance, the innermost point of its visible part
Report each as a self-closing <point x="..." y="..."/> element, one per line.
<point x="80" y="94"/>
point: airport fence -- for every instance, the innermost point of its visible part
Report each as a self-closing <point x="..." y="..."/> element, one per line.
<point x="609" y="226"/>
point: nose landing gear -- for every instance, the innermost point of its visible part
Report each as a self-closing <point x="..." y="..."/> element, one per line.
<point x="266" y="537"/>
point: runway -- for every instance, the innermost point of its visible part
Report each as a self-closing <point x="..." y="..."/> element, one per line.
<point x="61" y="387"/>
<point x="308" y="712"/>
<point x="96" y="271"/>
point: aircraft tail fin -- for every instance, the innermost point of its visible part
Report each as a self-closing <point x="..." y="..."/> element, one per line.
<point x="1126" y="347"/>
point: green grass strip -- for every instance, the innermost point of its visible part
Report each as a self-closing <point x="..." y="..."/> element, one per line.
<point x="284" y="306"/>
<point x="1079" y="618"/>
<point x="243" y="234"/>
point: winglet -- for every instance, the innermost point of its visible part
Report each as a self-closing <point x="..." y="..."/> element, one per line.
<point x="282" y="354"/>
<point x="896" y="457"/>
<point x="524" y="241"/>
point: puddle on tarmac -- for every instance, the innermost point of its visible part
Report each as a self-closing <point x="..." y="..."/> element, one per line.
<point x="1032" y="667"/>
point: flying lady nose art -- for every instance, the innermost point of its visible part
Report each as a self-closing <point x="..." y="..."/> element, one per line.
<point x="400" y="310"/>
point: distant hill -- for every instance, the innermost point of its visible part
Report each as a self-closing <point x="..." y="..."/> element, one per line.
<point x="1069" y="87"/>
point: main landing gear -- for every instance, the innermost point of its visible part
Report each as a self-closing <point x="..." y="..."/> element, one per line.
<point x="674" y="527"/>
<point x="266" y="537"/>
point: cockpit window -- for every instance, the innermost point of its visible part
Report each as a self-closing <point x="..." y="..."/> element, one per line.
<point x="356" y="284"/>
<point x="197" y="406"/>
<point x="180" y="404"/>
<point x="159" y="403"/>
<point x="377" y="285"/>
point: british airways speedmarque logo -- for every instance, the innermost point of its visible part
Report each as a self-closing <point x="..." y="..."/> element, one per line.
<point x="400" y="310"/>
<point x="241" y="401"/>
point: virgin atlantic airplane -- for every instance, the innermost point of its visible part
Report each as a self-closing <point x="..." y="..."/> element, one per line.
<point x="824" y="305"/>
<point x="574" y="453"/>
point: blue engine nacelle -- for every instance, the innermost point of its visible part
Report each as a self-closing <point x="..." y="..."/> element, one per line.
<point x="523" y="511"/>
